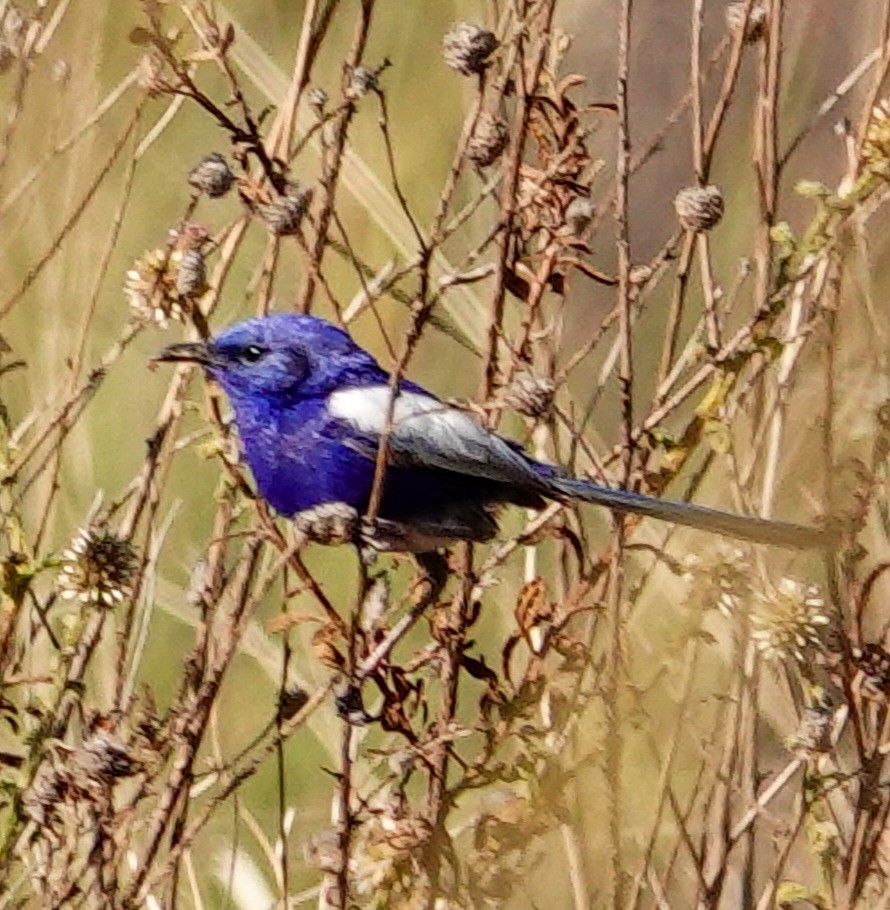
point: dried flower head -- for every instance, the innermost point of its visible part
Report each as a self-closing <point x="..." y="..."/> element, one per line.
<point x="284" y="215"/>
<point x="754" y="25"/>
<point x="212" y="176"/>
<point x="162" y="282"/>
<point x="191" y="276"/>
<point x="789" y="621"/>
<point x="876" y="143"/>
<point x="98" y="568"/>
<point x="150" y="73"/>
<point x="101" y="759"/>
<point x="532" y="396"/>
<point x="722" y="581"/>
<point x="362" y="81"/>
<point x="488" y="141"/>
<point x="151" y="287"/>
<point x="699" y="208"/>
<point x="467" y="47"/>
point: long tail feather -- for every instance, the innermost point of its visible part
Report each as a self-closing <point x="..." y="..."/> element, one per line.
<point x="759" y="530"/>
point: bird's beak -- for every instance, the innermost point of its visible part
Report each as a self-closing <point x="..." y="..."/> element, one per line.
<point x="186" y="352"/>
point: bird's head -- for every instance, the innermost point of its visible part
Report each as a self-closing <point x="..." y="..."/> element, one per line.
<point x="283" y="356"/>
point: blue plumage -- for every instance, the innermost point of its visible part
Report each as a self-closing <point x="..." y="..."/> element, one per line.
<point x="310" y="406"/>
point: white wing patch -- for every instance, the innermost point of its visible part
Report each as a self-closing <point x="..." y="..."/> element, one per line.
<point x="426" y="431"/>
<point x="367" y="409"/>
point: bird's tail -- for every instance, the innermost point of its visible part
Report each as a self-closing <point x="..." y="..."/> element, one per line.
<point x="743" y="527"/>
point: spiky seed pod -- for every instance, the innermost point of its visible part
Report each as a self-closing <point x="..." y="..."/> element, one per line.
<point x="362" y="81"/>
<point x="99" y="568"/>
<point x="467" y="47"/>
<point x="789" y="621"/>
<point x="531" y="396"/>
<point x="579" y="214"/>
<point x="699" y="208"/>
<point x="755" y="25"/>
<point x="488" y="141"/>
<point x="162" y="282"/>
<point x="150" y="287"/>
<point x="212" y="176"/>
<point x="285" y="215"/>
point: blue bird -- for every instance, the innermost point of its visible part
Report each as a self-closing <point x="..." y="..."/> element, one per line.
<point x="311" y="405"/>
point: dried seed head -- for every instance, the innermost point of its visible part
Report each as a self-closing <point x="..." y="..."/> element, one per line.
<point x="191" y="276"/>
<point x="150" y="73"/>
<point x="317" y="98"/>
<point x="101" y="759"/>
<point x="467" y="47"/>
<point x="98" y="568"/>
<point x="212" y="176"/>
<point x="285" y="215"/>
<point x="151" y="287"/>
<point x="876" y="143"/>
<point x="699" y="208"/>
<point x="488" y="141"/>
<point x="754" y="25"/>
<point x="579" y="215"/>
<point x="329" y="523"/>
<point x="721" y="580"/>
<point x="362" y="81"/>
<point x="789" y="622"/>
<point x="532" y="396"/>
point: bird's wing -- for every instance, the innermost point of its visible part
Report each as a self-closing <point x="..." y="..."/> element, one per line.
<point x="427" y="432"/>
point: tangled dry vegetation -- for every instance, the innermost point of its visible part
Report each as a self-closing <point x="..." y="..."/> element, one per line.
<point x="592" y="712"/>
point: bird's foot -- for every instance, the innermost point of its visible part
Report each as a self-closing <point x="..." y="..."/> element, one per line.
<point x="331" y="523"/>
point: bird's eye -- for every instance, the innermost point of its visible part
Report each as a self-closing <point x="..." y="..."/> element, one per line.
<point x="252" y="353"/>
